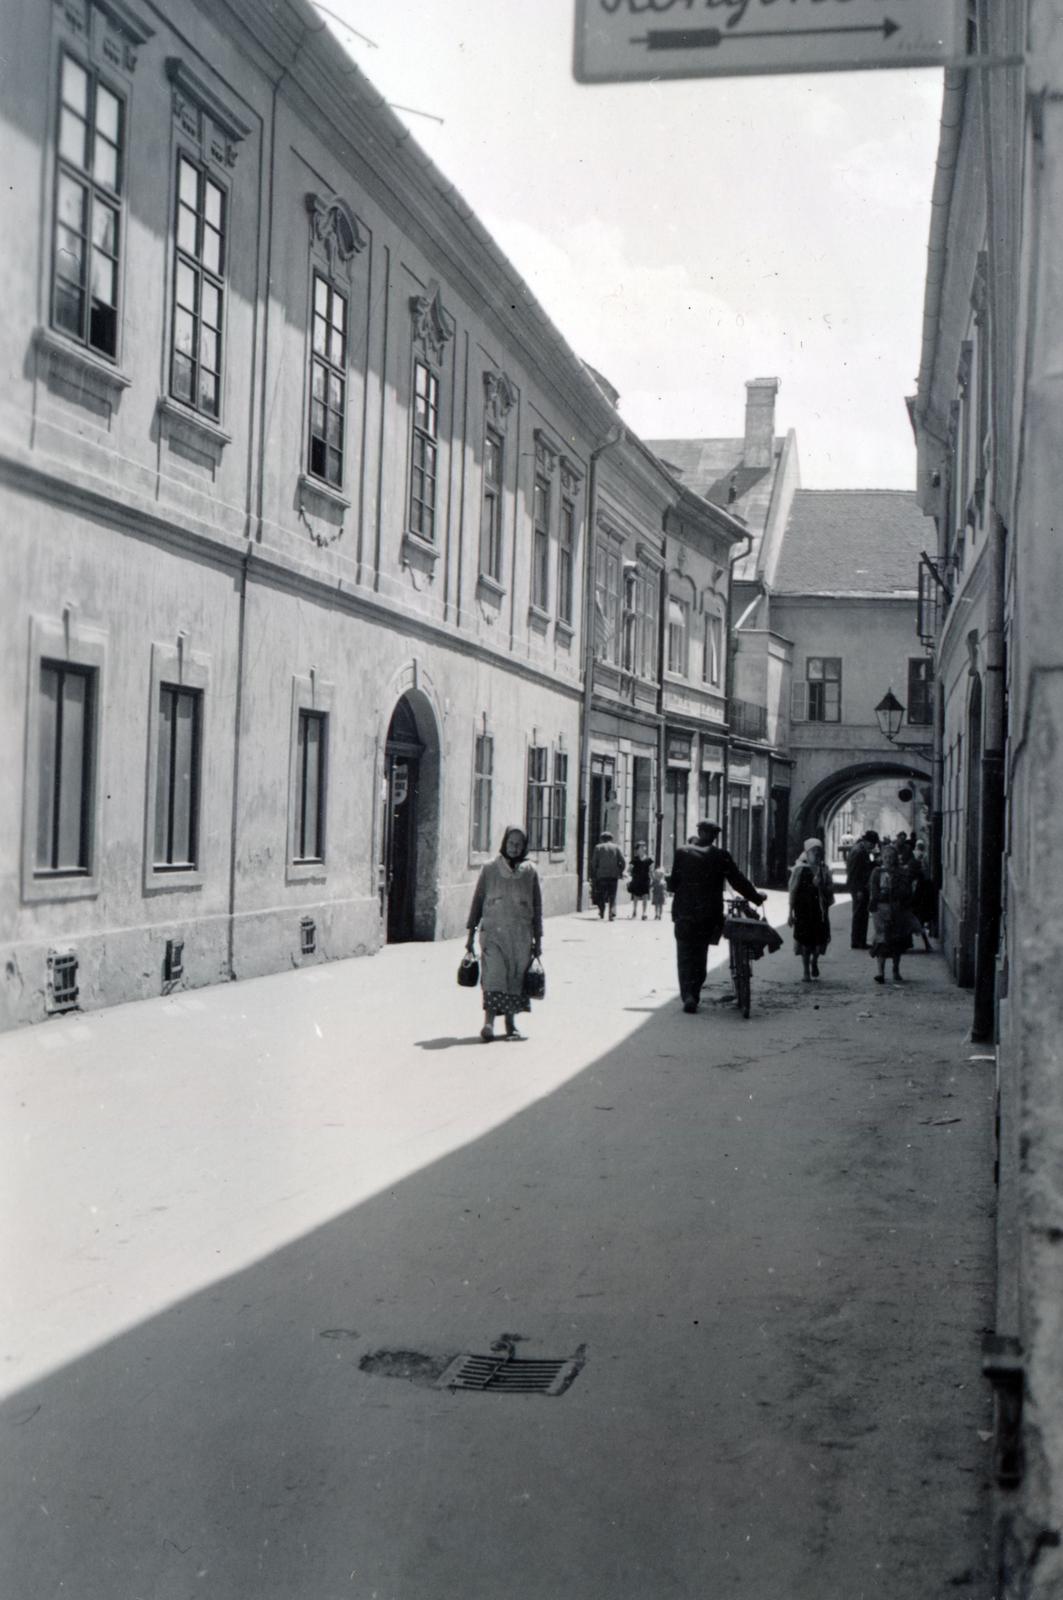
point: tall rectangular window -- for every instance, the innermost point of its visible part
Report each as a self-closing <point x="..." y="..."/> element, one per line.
<point x="676" y="642"/>
<point x="538" y="809"/>
<point x="88" y="183"/>
<point x="607" y="604"/>
<point x="540" y="588"/>
<point x="65" y="768"/>
<point x="824" y="678"/>
<point x="481" y="792"/>
<point x="566" y="536"/>
<point x="921" y="691"/>
<point x="425" y="447"/>
<point x="712" y="670"/>
<point x="177" y="778"/>
<point x="559" y="801"/>
<point x="199" y="285"/>
<point x="328" y="383"/>
<point x="491" y="512"/>
<point x="310" y="787"/>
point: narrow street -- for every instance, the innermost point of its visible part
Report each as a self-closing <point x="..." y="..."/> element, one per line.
<point x="767" y="1242"/>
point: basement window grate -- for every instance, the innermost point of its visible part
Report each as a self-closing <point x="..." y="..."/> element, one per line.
<point x="174" y="965"/>
<point x="63" y="980"/>
<point x="500" y="1375"/>
<point x="307" y="936"/>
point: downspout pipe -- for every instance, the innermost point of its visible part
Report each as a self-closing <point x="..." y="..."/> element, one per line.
<point x="729" y="680"/>
<point x="615" y="436"/>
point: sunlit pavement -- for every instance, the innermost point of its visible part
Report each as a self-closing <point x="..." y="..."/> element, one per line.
<point x="769" y="1240"/>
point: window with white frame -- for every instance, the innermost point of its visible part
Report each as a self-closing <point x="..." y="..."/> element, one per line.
<point x="559" y="802"/>
<point x="425" y="449"/>
<point x="566" y="539"/>
<point x="328" y="382"/>
<point x="177" y="768"/>
<point x="677" y="640"/>
<point x="712" y="670"/>
<point x="818" y="696"/>
<point x="198" y="288"/>
<point x="88" y="212"/>
<point x="607" y="603"/>
<point x="483" y="775"/>
<point x="540" y="585"/>
<point x="66" y="738"/>
<point x="491" y="511"/>
<point x="537" y="813"/>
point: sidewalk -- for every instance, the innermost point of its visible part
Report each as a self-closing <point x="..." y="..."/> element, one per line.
<point x="773" y="1239"/>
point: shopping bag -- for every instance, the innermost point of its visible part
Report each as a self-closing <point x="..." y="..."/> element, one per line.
<point x="535" y="981"/>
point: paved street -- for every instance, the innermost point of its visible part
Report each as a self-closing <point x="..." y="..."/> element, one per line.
<point x="769" y="1243"/>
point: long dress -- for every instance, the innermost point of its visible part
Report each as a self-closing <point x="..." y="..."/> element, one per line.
<point x="891" y="911"/>
<point x="811" y="895"/>
<point x="639" y="885"/>
<point x="508" y="906"/>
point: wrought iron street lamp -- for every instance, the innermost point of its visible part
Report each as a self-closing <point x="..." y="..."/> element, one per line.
<point x="890" y="714"/>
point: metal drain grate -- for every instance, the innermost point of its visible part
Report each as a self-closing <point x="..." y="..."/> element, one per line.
<point x="500" y="1374"/>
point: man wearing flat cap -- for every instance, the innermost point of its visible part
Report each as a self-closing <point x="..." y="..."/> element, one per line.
<point x="698" y="876"/>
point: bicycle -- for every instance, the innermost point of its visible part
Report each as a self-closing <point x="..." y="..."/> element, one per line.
<point x="747" y="935"/>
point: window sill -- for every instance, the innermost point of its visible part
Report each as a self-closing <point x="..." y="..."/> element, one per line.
<point x="187" y="425"/>
<point x="168" y="880"/>
<point x="538" y="618"/>
<point x="564" y="631"/>
<point x="61" y="886"/>
<point x="413" y="543"/>
<point x="323" y="491"/>
<point x="77" y="364"/>
<point x="491" y="585"/>
<point x="305" y="872"/>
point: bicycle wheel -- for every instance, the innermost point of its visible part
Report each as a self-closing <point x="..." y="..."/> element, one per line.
<point x="742" y="977"/>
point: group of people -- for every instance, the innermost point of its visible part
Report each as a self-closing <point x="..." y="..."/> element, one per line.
<point x="646" y="883"/>
<point x="887" y="879"/>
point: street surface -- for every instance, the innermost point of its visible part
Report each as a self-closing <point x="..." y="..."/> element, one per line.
<point x="769" y="1242"/>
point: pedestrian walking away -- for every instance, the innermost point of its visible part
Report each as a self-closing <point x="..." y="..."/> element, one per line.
<point x="507" y="906"/>
<point x="858" y="869"/>
<point x="659" y="892"/>
<point x="639" y="881"/>
<point x="607" y="868"/>
<point x="811" y="897"/>
<point x="923" y="897"/>
<point x="890" y="901"/>
<point x="699" y="872"/>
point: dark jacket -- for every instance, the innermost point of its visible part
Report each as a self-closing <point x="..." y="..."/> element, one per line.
<point x="607" y="862"/>
<point x="859" y="867"/>
<point x="698" y="876"/>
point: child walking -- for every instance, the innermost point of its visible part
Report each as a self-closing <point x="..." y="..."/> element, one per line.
<point x="659" y="892"/>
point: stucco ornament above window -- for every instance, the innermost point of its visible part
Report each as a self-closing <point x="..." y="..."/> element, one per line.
<point x="334" y="228"/>
<point x="202" y="116"/>
<point x="499" y="398"/>
<point x="571" y="477"/>
<point x="433" y="325"/>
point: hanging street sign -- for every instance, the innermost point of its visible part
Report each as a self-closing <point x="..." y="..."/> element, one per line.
<point x="626" y="41"/>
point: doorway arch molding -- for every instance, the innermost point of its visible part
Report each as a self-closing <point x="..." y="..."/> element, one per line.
<point x="821" y="801"/>
<point x="414" y="688"/>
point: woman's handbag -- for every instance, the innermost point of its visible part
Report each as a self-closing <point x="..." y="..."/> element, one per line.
<point x="535" y="981"/>
<point x="469" y="971"/>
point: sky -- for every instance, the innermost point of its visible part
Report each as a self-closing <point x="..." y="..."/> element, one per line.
<point x="686" y="236"/>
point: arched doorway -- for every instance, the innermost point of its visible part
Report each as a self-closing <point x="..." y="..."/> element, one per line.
<point x="971" y="838"/>
<point x="411" y="822"/>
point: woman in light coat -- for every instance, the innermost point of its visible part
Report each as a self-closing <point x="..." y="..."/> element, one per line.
<point x="507" y="907"/>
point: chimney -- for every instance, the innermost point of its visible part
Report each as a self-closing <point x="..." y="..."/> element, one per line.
<point x="760" y="422"/>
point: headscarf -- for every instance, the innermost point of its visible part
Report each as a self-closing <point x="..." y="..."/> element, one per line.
<point x="514" y="827"/>
<point x="813" y="844"/>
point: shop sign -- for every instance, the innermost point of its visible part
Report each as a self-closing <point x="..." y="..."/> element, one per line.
<point x="624" y="41"/>
<point x="711" y="757"/>
<point x="741" y="770"/>
<point x="679" y="749"/>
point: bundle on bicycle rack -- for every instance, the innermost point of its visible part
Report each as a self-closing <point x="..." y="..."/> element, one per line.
<point x="746" y="928"/>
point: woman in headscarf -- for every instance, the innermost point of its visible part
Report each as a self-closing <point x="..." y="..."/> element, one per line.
<point x="890" y="904"/>
<point x="508" y="908"/>
<point x="811" y="897"/>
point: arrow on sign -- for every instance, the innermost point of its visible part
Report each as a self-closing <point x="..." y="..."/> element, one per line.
<point x="709" y="38"/>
